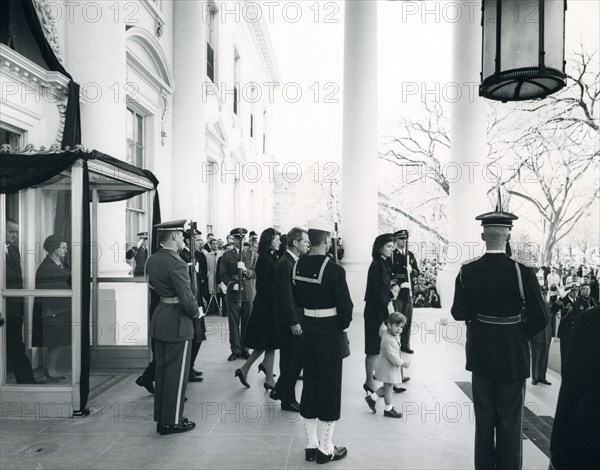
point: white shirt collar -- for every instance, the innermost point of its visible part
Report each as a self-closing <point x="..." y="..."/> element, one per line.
<point x="293" y="255"/>
<point x="495" y="251"/>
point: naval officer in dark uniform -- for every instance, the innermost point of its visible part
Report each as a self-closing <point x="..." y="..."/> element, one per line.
<point x="490" y="295"/>
<point x="171" y="328"/>
<point x="319" y="287"/>
<point x="404" y="270"/>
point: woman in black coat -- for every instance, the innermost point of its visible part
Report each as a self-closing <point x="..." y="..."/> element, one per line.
<point x="377" y="297"/>
<point x="52" y="321"/>
<point x="264" y="330"/>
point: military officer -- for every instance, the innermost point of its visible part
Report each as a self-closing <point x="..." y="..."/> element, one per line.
<point x="490" y="294"/>
<point x="171" y="328"/>
<point x="320" y="289"/>
<point x="234" y="265"/>
<point x="139" y="253"/>
<point x="405" y="271"/>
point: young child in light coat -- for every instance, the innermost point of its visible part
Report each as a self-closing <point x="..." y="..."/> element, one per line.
<point x="389" y="363"/>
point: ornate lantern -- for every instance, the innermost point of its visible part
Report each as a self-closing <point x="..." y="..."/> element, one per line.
<point x="523" y="55"/>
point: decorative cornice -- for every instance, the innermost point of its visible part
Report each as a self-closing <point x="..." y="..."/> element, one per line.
<point x="266" y="48"/>
<point x="52" y="86"/>
<point x="47" y="19"/>
<point x="32" y="150"/>
<point x="163" y="120"/>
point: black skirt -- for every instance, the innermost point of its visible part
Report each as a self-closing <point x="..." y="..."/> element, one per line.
<point x="264" y="330"/>
<point x="375" y="315"/>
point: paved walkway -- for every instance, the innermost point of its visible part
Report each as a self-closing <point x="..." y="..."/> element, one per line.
<point x="243" y="428"/>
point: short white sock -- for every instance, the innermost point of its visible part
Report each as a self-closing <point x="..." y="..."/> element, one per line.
<point x="388" y="407"/>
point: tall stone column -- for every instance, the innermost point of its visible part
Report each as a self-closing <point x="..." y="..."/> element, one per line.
<point x="95" y="56"/>
<point x="359" y="152"/>
<point x="189" y="137"/>
<point x="467" y="152"/>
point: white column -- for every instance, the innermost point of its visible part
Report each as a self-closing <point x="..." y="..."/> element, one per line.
<point x="359" y="152"/>
<point x="189" y="136"/>
<point x="101" y="73"/>
<point x="467" y="152"/>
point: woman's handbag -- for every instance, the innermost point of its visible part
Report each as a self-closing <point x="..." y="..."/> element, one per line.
<point x="345" y="345"/>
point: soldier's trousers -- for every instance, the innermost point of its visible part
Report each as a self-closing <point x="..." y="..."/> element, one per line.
<point x="407" y="311"/>
<point x="238" y="320"/>
<point x="290" y="365"/>
<point x="498" y="408"/>
<point x="539" y="360"/>
<point x="172" y="371"/>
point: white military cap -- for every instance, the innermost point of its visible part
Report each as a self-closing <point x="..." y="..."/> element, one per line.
<point x="319" y="224"/>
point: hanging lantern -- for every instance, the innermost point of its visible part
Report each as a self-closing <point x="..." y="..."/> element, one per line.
<point x="523" y="55"/>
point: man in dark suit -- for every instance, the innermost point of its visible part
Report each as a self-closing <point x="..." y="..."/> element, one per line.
<point x="240" y="292"/>
<point x="171" y="328"/>
<point x="405" y="271"/>
<point x="139" y="253"/>
<point x="489" y="296"/>
<point x="290" y="363"/>
<point x="567" y="313"/>
<point x="319" y="287"/>
<point x="15" y="347"/>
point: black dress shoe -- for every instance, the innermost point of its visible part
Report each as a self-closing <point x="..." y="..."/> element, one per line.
<point x="405" y="379"/>
<point x="338" y="454"/>
<point x="367" y="389"/>
<point x="195" y="378"/>
<point x="233" y="357"/>
<point x="371" y="403"/>
<point x="545" y="382"/>
<point x="240" y="375"/>
<point x="294" y="407"/>
<point x="195" y="373"/>
<point x="244" y="355"/>
<point x="268" y="387"/>
<point x="534" y="382"/>
<point x="310" y="455"/>
<point x="392" y="414"/>
<point x="399" y="389"/>
<point x="145" y="382"/>
<point x="263" y="369"/>
<point x="407" y="350"/>
<point x="274" y="395"/>
<point x="184" y="426"/>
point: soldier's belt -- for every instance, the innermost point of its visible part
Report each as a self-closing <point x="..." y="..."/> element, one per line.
<point x="499" y="320"/>
<point x="320" y="312"/>
<point x="169" y="300"/>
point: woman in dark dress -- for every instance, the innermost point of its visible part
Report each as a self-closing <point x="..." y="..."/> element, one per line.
<point x="377" y="297"/>
<point x="52" y="321"/>
<point x="264" y="330"/>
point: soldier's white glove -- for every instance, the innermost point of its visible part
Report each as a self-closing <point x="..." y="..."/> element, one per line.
<point x="236" y="287"/>
<point x="197" y="267"/>
<point x="405" y="285"/>
<point x="241" y="265"/>
<point x="200" y="312"/>
<point x="409" y="269"/>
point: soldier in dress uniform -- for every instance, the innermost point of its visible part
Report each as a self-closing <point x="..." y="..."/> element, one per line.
<point x="404" y="270"/>
<point x="320" y="289"/>
<point x="490" y="294"/>
<point x="171" y="328"/>
<point x="139" y="253"/>
<point x="232" y="267"/>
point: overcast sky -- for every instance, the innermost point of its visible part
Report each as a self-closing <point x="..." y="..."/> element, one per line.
<point x="310" y="51"/>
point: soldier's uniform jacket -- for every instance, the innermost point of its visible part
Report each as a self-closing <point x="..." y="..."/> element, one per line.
<point x="330" y="291"/>
<point x="398" y="264"/>
<point x="168" y="275"/>
<point x="229" y="274"/>
<point x="139" y="255"/>
<point x="488" y="286"/>
<point x="570" y="311"/>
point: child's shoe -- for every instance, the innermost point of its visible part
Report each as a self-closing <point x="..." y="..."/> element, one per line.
<point x="392" y="414"/>
<point x="371" y="403"/>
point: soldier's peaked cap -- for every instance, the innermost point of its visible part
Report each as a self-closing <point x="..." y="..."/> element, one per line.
<point x="319" y="224"/>
<point x="142" y="234"/>
<point x="238" y="232"/>
<point x="498" y="217"/>
<point x="401" y="234"/>
<point x="187" y="233"/>
<point x="172" y="226"/>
